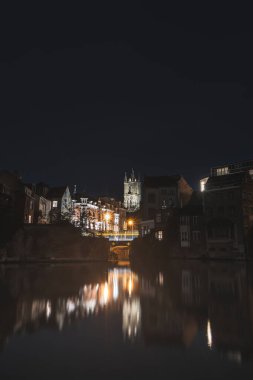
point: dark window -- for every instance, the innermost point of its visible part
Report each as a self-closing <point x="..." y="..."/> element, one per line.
<point x="221" y="232"/>
<point x="210" y="232"/>
<point x="244" y="195"/>
<point x="232" y="210"/>
<point x="151" y="213"/>
<point x="220" y="196"/>
<point x="221" y="210"/>
<point x="196" y="235"/>
<point x="151" y="198"/>
<point x="158" y="217"/>
<point x="195" y="220"/>
<point x="231" y="195"/>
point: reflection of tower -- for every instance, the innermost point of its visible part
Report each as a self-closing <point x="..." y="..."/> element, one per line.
<point x="131" y="317"/>
<point x="132" y="193"/>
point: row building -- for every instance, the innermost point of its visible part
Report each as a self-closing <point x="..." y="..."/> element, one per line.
<point x="98" y="215"/>
<point x="215" y="222"/>
<point x="228" y="209"/>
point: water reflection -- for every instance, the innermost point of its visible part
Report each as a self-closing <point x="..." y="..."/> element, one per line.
<point x="209" y="334"/>
<point x="131" y="316"/>
<point x="176" y="305"/>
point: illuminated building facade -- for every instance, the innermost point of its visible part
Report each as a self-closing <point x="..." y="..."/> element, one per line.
<point x="132" y="193"/>
<point x="98" y="215"/>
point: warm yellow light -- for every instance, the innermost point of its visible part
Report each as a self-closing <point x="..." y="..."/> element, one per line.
<point x="130" y="222"/>
<point x="130" y="286"/>
<point x="104" y="294"/>
<point x="107" y="216"/>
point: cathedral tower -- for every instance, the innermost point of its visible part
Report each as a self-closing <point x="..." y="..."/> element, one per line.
<point x="132" y="193"/>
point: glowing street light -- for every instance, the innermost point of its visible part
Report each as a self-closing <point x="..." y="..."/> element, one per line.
<point x="107" y="218"/>
<point x="131" y="224"/>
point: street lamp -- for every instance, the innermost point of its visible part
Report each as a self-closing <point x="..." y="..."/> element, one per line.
<point x="131" y="223"/>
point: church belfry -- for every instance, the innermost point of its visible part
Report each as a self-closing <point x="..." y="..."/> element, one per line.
<point x="132" y="192"/>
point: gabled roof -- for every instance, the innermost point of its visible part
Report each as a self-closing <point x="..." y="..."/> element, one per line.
<point x="161" y="181"/>
<point x="194" y="207"/>
<point x="56" y="192"/>
<point x="31" y="186"/>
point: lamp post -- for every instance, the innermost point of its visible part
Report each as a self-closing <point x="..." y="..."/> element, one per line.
<point x="131" y="223"/>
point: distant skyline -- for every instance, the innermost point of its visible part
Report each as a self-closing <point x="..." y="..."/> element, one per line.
<point x="87" y="95"/>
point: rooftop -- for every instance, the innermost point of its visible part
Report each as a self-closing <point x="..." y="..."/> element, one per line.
<point x="227" y="180"/>
<point x="194" y="207"/>
<point x="56" y="192"/>
<point x="161" y="181"/>
<point x="236" y="165"/>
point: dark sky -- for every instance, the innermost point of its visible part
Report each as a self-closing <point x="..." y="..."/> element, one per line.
<point x="89" y="93"/>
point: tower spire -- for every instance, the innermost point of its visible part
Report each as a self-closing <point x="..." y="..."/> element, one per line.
<point x="125" y="176"/>
<point x="132" y="174"/>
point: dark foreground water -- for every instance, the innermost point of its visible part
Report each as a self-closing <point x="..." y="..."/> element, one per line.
<point x="182" y="320"/>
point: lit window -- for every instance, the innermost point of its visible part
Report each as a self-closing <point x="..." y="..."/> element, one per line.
<point x="222" y="171"/>
<point x="160" y="235"/>
<point x="116" y="219"/>
<point x="55" y="203"/>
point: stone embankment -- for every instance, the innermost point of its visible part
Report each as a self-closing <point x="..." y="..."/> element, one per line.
<point x="53" y="242"/>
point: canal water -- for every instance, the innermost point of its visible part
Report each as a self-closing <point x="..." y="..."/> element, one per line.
<point x="174" y="320"/>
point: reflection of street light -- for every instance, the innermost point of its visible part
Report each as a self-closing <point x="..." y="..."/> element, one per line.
<point x="107" y="218"/>
<point x="131" y="223"/>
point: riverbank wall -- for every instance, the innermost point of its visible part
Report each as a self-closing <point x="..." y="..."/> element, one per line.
<point x="53" y="242"/>
<point x="150" y="249"/>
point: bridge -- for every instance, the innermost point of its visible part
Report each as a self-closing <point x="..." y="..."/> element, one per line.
<point x="121" y="236"/>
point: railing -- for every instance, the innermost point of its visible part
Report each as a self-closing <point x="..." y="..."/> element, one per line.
<point x="121" y="236"/>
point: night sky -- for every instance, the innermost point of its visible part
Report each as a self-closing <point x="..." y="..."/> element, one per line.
<point x="89" y="93"/>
